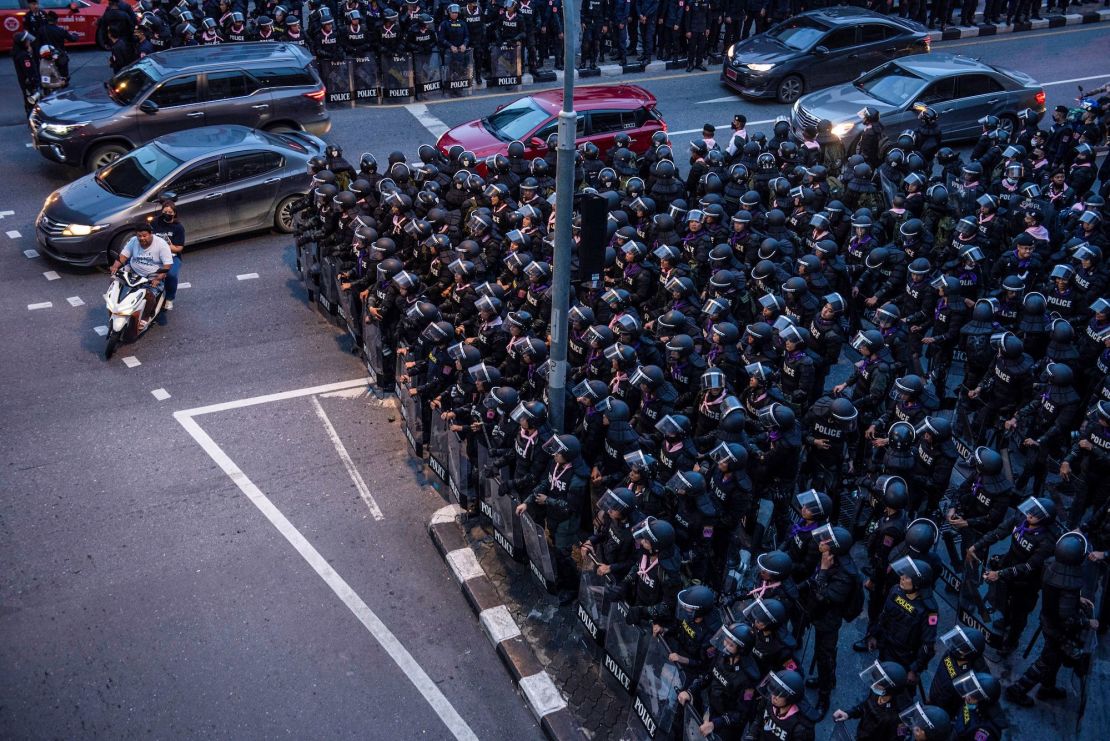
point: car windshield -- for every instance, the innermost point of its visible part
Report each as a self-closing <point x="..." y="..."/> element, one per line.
<point x="516" y="120"/>
<point x="133" y="175"/>
<point x="890" y="84"/>
<point x="800" y="33"/>
<point x="131" y="82"/>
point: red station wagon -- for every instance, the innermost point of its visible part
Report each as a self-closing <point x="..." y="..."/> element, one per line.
<point x="603" y="112"/>
<point x="78" y="16"/>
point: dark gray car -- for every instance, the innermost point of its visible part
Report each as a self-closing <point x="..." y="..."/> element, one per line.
<point x="265" y="85"/>
<point x="227" y="179"/>
<point x="962" y="90"/>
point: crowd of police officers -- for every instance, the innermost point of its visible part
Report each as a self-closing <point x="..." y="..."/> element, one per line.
<point x="803" y="373"/>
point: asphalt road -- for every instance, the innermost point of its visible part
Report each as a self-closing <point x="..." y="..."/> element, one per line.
<point x="146" y="591"/>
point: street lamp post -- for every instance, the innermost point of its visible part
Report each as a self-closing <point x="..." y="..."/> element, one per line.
<point x="564" y="210"/>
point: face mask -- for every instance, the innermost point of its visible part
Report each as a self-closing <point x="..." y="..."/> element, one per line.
<point x="169" y="214"/>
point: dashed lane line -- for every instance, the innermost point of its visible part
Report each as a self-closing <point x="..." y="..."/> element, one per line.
<point x="51" y="275"/>
<point x="42" y="305"/>
<point x="75" y="301"/>
<point x="101" y="330"/>
<point x="184" y="285"/>
<point x="30" y="254"/>
<point x="244" y="276"/>
<point x="13" y="234"/>
<point x="131" y="361"/>
<point x="160" y="394"/>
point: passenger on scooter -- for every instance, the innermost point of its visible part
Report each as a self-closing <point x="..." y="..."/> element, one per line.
<point x="166" y="226"/>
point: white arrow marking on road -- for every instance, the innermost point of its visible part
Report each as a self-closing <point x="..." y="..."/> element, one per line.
<point x="100" y="330"/>
<point x="131" y="361"/>
<point x="14" y="234"/>
<point x="360" y="484"/>
<point x="51" y="275"/>
<point x="75" y="301"/>
<point x="36" y="307"/>
<point x="244" y="276"/>
<point x="427" y="120"/>
<point x="30" y="254"/>
<point x="160" y="394"/>
<point x="725" y="99"/>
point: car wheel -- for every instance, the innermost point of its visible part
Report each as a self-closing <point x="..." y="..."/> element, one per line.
<point x="790" y="89"/>
<point x="105" y="155"/>
<point x="1008" y="122"/>
<point x="283" y="215"/>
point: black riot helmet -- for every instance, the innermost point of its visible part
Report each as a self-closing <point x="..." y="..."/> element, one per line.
<point x="922" y="535"/>
<point x="775" y="564"/>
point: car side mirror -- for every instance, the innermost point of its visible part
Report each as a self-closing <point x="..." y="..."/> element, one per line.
<point x="74" y="8"/>
<point x="821" y="50"/>
<point x="536" y="142"/>
<point x="148" y="106"/>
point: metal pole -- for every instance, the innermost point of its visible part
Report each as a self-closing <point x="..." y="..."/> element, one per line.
<point x="564" y="195"/>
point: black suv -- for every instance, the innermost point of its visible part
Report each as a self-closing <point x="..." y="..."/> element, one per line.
<point x="264" y="85"/>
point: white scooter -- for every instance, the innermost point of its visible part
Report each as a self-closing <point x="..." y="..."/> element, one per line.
<point x="126" y="300"/>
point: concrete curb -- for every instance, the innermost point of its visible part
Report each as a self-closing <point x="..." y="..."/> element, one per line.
<point x="544" y="698"/>
<point x="950" y="34"/>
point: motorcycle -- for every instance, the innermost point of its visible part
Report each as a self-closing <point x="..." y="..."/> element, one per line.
<point x="126" y="301"/>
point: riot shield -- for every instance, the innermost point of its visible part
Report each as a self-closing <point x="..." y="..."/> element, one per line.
<point x="428" y="69"/>
<point x="437" y="447"/>
<point x="505" y="63"/>
<point x="624" y="646"/>
<point x="366" y="80"/>
<point x="397" y="79"/>
<point x="458" y="468"/>
<point x="372" y="346"/>
<point x="306" y="258"/>
<point x="411" y="422"/>
<point x="500" y="509"/>
<point x="692" y="718"/>
<point x="459" y="73"/>
<point x="593" y="603"/>
<point x="655" y="704"/>
<point x="539" y="554"/>
<point x="327" y="298"/>
<point x="350" y="314"/>
<point x="337" y="78"/>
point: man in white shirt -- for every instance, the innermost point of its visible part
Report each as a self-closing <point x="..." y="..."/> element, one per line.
<point x="148" y="256"/>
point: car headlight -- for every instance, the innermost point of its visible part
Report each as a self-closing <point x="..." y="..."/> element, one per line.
<point x="731" y="51"/>
<point x="62" y="129"/>
<point x="842" y="129"/>
<point x="760" y="67"/>
<point x="81" y="230"/>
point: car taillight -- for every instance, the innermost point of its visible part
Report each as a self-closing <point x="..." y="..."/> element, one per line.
<point x="317" y="95"/>
<point x="928" y="43"/>
<point x="1039" y="97"/>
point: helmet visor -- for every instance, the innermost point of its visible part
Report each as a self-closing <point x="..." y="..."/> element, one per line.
<point x="876" y="678"/>
<point x="520" y="413"/>
<point x="914" y="717"/>
<point x="669" y="426"/>
<point x="554" y="446"/>
<point x="956" y="640"/>
<point x="609" y="501"/>
<point x="808" y="500"/>
<point x="967" y="686"/>
<point x="1032" y="507"/>
<point x="757" y="612"/>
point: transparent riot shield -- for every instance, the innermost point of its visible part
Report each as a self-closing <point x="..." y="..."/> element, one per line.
<point x="692" y="718"/>
<point x="480" y="455"/>
<point x="539" y="554"/>
<point x="337" y="78"/>
<point x="428" y="70"/>
<point x="437" y="447"/>
<point x="500" y="508"/>
<point x="366" y="80"/>
<point x="459" y="73"/>
<point x="411" y="423"/>
<point x="397" y="84"/>
<point x="372" y="347"/>
<point x="458" y="468"/>
<point x="593" y="602"/>
<point x="655" y="704"/>
<point x="306" y="258"/>
<point x="350" y="314"/>
<point x="624" y="646"/>
<point x="505" y="63"/>
<point x="327" y="298"/>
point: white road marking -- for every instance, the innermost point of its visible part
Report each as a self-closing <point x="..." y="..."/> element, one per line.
<point x="351" y="393"/>
<point x="184" y="285"/>
<point x="160" y="394"/>
<point x="30" y="254"/>
<point x="51" y="275"/>
<point x="244" y="276"/>
<point x="427" y="120"/>
<point x="4" y="214"/>
<point x="36" y="307"/>
<point x="725" y="99"/>
<point x="373" y="624"/>
<point x="726" y="127"/>
<point x="1074" y="79"/>
<point x="101" y="330"/>
<point x="14" y="234"/>
<point x="29" y="145"/>
<point x="352" y="471"/>
<point x="131" y="361"/>
<point x="75" y="301"/>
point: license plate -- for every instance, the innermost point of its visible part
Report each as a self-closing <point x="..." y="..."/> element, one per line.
<point x="730" y="73"/>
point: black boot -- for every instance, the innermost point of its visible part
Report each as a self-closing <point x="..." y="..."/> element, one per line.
<point x="1019" y="694"/>
<point x="821" y="709"/>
